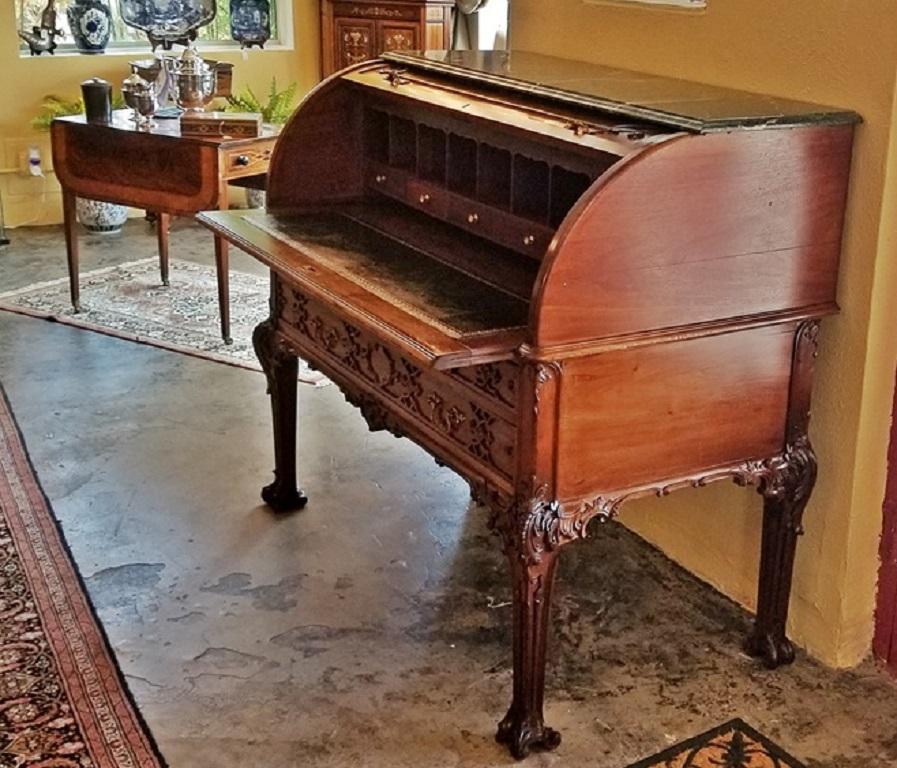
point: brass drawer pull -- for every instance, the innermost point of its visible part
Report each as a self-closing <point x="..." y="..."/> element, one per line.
<point x="380" y="178"/>
<point x="529" y="240"/>
<point x="424" y="199"/>
<point x="242" y="160"/>
<point x="473" y="218"/>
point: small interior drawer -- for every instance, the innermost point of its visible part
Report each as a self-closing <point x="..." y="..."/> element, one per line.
<point x="386" y="180"/>
<point x="526" y="237"/>
<point x="428" y="198"/>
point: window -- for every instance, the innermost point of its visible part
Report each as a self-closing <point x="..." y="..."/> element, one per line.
<point x="28" y="14"/>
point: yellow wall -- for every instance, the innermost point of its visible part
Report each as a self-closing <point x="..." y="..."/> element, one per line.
<point x="26" y="80"/>
<point x="840" y="53"/>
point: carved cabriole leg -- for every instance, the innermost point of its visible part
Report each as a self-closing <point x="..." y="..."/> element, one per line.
<point x="281" y="369"/>
<point x="785" y="495"/>
<point x="786" y="489"/>
<point x="522" y="728"/>
<point x="532" y="541"/>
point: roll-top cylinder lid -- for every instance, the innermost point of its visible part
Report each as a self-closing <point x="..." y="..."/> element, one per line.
<point x="680" y="104"/>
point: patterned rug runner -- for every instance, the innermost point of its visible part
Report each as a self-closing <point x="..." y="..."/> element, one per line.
<point x="128" y="301"/>
<point x="731" y="745"/>
<point x="63" y="703"/>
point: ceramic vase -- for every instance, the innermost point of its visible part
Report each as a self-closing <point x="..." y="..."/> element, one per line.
<point x="167" y="22"/>
<point x="100" y="217"/>
<point x="255" y="198"/>
<point x="250" y="22"/>
<point x="91" y="25"/>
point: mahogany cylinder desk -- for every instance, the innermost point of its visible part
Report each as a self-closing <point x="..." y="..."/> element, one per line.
<point x="573" y="285"/>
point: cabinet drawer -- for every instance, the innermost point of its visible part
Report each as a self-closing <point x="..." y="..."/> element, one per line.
<point x="379" y="11"/>
<point x="248" y="161"/>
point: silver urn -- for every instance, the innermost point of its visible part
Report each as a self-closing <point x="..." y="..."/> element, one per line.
<point x="195" y="81"/>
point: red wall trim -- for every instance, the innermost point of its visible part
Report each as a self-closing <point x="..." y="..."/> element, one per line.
<point x="885" y="643"/>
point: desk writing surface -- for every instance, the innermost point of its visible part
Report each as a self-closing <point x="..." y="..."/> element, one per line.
<point x="678" y="103"/>
<point x="409" y="278"/>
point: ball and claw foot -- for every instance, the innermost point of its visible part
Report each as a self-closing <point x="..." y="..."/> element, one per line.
<point x="228" y="340"/>
<point x="775" y="652"/>
<point x="283" y="499"/>
<point x="523" y="737"/>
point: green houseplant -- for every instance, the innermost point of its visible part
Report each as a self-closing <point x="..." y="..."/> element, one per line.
<point x="275" y="111"/>
<point x="94" y="215"/>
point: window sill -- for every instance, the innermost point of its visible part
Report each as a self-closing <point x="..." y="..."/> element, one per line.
<point x="141" y="50"/>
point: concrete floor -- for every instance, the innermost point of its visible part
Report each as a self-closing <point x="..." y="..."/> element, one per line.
<point x="370" y="629"/>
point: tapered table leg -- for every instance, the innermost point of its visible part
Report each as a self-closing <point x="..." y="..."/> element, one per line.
<point x="281" y="369"/>
<point x="70" y="225"/>
<point x="222" y="268"/>
<point x="163" y="222"/>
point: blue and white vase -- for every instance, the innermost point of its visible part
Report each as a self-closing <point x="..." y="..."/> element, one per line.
<point x="167" y="22"/>
<point x="91" y="25"/>
<point x="100" y="217"/>
<point x="250" y="22"/>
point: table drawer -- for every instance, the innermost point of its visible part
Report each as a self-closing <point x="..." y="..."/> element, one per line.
<point x="249" y="160"/>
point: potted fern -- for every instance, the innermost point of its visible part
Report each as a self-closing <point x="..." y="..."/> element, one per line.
<point x="94" y="215"/>
<point x="276" y="110"/>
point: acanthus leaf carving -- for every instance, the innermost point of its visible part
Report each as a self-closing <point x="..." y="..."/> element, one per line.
<point x="532" y="522"/>
<point x="389" y="389"/>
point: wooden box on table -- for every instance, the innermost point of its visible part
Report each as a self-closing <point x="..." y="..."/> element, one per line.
<point x="573" y="285"/>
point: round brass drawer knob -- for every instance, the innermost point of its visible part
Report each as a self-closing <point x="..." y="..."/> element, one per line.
<point x="380" y="178"/>
<point x="424" y="199"/>
<point x="472" y="218"/>
<point x="529" y="240"/>
<point x="242" y="159"/>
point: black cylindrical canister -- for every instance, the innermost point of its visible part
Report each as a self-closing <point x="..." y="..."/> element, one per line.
<point x="97" y="100"/>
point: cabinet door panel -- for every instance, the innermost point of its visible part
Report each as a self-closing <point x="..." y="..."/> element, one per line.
<point x="355" y="41"/>
<point x="395" y="36"/>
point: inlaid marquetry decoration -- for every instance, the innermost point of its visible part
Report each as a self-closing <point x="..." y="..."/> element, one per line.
<point x="352" y="32"/>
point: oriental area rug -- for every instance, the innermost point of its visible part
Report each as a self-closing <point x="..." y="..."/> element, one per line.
<point x="731" y="745"/>
<point x="63" y="703"/>
<point x="129" y="302"/>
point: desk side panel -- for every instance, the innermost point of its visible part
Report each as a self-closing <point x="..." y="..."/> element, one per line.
<point x="682" y="406"/>
<point x="697" y="229"/>
<point x="318" y="157"/>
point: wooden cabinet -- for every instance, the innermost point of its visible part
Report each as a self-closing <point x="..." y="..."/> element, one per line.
<point x="352" y="32"/>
